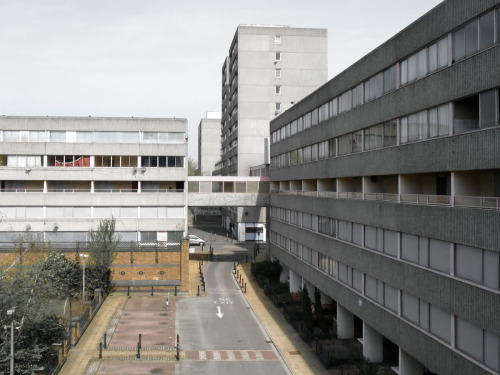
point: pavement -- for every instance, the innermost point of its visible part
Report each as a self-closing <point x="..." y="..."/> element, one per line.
<point x="297" y="355"/>
<point x="118" y="312"/>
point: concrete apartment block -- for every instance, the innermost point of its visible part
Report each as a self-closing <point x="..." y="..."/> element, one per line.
<point x="385" y="193"/>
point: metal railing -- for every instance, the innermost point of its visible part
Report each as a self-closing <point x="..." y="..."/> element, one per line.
<point x="84" y="320"/>
<point x="108" y="191"/>
<point x="427" y="200"/>
<point x="95" y="305"/>
<point x="162" y="246"/>
<point x="490" y="203"/>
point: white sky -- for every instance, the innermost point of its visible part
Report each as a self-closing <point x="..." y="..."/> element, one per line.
<point x="161" y="58"/>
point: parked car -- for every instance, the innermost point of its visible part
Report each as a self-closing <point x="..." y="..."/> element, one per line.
<point x="195" y="240"/>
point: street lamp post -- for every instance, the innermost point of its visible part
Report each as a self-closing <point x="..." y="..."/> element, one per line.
<point x="11" y="314"/>
<point x="83" y="290"/>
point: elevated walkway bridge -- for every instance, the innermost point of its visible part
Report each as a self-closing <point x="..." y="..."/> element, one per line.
<point x="224" y="191"/>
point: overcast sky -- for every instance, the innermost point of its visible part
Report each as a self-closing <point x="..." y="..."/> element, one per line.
<point x="161" y="58"/>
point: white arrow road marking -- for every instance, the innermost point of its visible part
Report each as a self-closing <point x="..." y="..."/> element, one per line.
<point x="219" y="314"/>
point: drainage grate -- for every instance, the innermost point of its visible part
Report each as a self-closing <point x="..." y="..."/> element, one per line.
<point x="294" y="352"/>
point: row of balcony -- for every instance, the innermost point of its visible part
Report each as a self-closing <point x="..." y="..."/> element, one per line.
<point x="107" y="191"/>
<point x="422" y="199"/>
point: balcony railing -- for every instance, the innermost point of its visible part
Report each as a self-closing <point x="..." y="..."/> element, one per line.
<point x="491" y="203"/>
<point x="123" y="246"/>
<point x="108" y="191"/>
<point x="437" y="200"/>
<point x="477" y="202"/>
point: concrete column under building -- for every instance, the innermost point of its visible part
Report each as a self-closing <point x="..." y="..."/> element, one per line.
<point x="295" y="281"/>
<point x="345" y="323"/>
<point x="373" y="347"/>
<point x="285" y="274"/>
<point x="409" y="365"/>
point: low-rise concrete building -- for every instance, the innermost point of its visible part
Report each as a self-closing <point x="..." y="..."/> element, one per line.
<point x="60" y="175"/>
<point x="386" y="193"/>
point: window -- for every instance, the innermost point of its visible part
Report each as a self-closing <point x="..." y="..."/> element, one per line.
<point x="424" y="62"/>
<point x="439" y="255"/>
<point x="486" y="30"/>
<point x="477" y="265"/>
<point x="440" y="323"/>
<point x="378" y="136"/>
<point x="118" y="137"/>
<point x="278" y="56"/>
<point x="56" y="136"/>
<point x="426" y="124"/>
<point x="466" y="113"/>
<point x="277" y="73"/>
<point x="410" y="308"/>
<point x="350" y="143"/>
<point x="148" y="236"/>
<point x="278" y="107"/>
<point x="278" y="90"/>
<point x="498" y="25"/>
<point x="37" y="136"/>
<point x="277" y="39"/>
<point x="487" y="107"/>
<point x="84" y="137"/>
<point x="476" y="36"/>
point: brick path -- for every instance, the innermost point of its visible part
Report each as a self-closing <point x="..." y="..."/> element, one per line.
<point x="230" y="355"/>
<point x="123" y="318"/>
<point x="147" y="316"/>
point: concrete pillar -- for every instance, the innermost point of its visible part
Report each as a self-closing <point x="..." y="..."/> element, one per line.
<point x="285" y="273"/>
<point x="409" y="365"/>
<point x="295" y="281"/>
<point x="345" y="323"/>
<point x="373" y="347"/>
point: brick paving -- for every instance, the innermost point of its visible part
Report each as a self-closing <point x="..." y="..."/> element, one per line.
<point x="123" y="318"/>
<point x="230" y="355"/>
<point x="147" y="316"/>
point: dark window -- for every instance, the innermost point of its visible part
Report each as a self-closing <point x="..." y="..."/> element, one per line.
<point x="466" y="114"/>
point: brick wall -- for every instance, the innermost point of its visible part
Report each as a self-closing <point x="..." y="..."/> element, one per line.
<point x="144" y="265"/>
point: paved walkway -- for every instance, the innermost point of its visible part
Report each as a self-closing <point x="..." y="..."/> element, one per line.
<point x="88" y="346"/>
<point x="298" y="356"/>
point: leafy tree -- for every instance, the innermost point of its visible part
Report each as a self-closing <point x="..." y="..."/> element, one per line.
<point x="193" y="167"/>
<point x="37" y="292"/>
<point x="103" y="243"/>
<point x="102" y="249"/>
<point x="318" y="310"/>
<point x="63" y="277"/>
<point x="307" y="315"/>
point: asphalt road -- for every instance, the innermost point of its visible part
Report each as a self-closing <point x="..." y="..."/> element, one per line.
<point x="219" y="332"/>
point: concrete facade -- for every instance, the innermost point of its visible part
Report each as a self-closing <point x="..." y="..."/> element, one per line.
<point x="61" y="175"/>
<point x="385" y="191"/>
<point x="209" y="131"/>
<point x="269" y="68"/>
